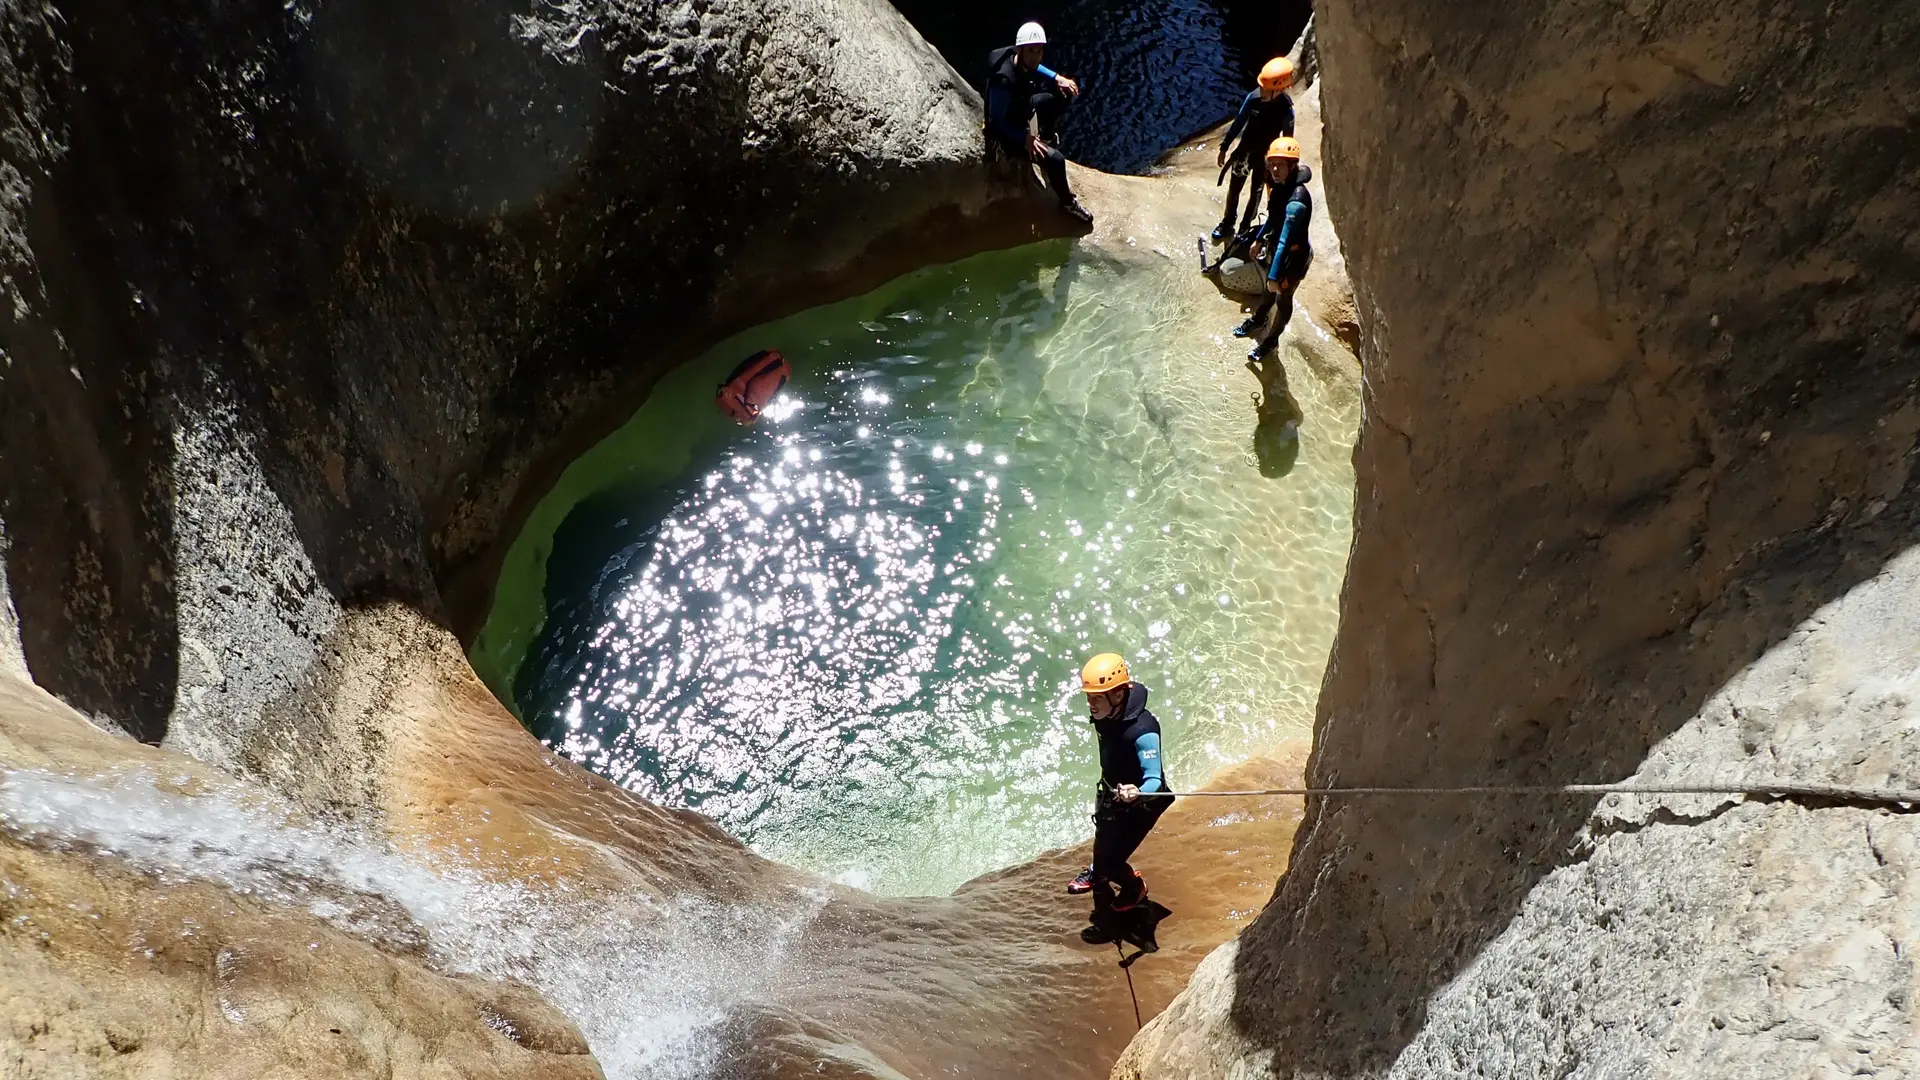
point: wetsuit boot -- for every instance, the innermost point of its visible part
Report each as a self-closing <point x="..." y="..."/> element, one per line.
<point x="1133" y="893"/>
<point x="1101" y="927"/>
<point x="1082" y="883"/>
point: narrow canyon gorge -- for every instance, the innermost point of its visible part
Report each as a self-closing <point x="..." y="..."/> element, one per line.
<point x="308" y="306"/>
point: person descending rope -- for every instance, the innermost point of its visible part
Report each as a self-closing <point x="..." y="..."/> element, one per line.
<point x="1020" y="89"/>
<point x="1289" y="213"/>
<point x="1130" y="765"/>
<point x="1265" y="115"/>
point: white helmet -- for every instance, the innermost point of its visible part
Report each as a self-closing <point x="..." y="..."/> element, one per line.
<point x="1030" y="34"/>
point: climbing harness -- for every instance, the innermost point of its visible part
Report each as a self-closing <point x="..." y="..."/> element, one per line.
<point x="1840" y="793"/>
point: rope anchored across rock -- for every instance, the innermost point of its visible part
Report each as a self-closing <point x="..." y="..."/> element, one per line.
<point x="1841" y="793"/>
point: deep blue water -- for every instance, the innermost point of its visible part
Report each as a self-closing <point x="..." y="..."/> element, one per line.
<point x="1152" y="72"/>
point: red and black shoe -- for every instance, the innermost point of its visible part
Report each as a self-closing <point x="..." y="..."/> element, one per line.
<point x="1132" y="894"/>
<point x="1081" y="884"/>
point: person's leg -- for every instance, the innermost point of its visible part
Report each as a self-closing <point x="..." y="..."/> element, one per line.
<point x="1048" y="105"/>
<point x="1233" y="201"/>
<point x="1054" y="164"/>
<point x="1140" y="822"/>
<point x="1255" y="321"/>
<point x="1112" y="843"/>
<point x="1253" y="201"/>
<point x="1284" y="301"/>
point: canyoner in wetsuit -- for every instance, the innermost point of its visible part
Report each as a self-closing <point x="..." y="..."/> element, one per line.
<point x="1020" y="89"/>
<point x="1130" y="765"/>
<point x="1289" y="214"/>
<point x="1265" y="115"/>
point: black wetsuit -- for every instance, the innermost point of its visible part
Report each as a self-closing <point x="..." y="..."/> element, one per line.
<point x="1289" y="213"/>
<point x="1118" y="828"/>
<point x="1015" y="96"/>
<point x="1256" y="125"/>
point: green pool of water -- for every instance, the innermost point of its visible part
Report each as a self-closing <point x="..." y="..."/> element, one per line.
<point x="851" y="633"/>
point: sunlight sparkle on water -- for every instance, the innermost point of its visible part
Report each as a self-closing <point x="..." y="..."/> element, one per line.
<point x="854" y="642"/>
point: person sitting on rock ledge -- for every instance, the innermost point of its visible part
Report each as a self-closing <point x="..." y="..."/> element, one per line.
<point x="1020" y="89"/>
<point x="1265" y="115"/>
<point x="1289" y="212"/>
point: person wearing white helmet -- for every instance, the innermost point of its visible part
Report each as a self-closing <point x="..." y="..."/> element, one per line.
<point x="1021" y="89"/>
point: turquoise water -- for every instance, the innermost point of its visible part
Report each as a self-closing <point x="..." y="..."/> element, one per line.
<point x="850" y="634"/>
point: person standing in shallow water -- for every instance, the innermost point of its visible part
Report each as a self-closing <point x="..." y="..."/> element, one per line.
<point x="1130" y="766"/>
<point x="1021" y="89"/>
<point x="1289" y="214"/>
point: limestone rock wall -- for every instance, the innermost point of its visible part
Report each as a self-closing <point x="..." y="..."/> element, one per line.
<point x="1637" y="290"/>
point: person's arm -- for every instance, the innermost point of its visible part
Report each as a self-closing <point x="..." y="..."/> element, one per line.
<point x="1067" y="86"/>
<point x="1293" y="227"/>
<point x="1286" y="114"/>
<point x="999" y="100"/>
<point x="1147" y="749"/>
<point x="1239" y="123"/>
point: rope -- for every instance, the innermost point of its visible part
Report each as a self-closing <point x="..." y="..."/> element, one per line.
<point x="1127" y="966"/>
<point x="1832" y="792"/>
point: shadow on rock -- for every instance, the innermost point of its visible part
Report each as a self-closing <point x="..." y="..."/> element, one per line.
<point x="1138" y="927"/>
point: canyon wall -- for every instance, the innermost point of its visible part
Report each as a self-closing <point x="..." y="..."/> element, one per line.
<point x="1637" y="286"/>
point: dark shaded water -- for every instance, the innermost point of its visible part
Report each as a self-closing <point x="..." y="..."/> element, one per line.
<point x="1152" y="72"/>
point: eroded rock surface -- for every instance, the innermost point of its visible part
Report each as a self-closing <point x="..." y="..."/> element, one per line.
<point x="111" y="966"/>
<point x="1641" y="355"/>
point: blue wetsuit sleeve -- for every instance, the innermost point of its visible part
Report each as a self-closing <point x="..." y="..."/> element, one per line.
<point x="1291" y="230"/>
<point x="1286" y="114"/>
<point x="1147" y="748"/>
<point x="1045" y="72"/>
<point x="999" y="100"/>
<point x="1239" y="121"/>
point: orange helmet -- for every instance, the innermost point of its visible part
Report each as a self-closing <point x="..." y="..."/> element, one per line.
<point x="1105" y="672"/>
<point x="1277" y="75"/>
<point x="1284" y="148"/>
